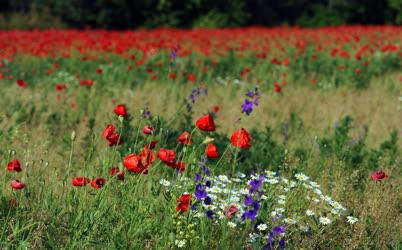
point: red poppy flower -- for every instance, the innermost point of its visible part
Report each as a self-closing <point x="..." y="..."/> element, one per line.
<point x="120" y="110"/>
<point x="277" y="88"/>
<point x="147" y="156"/>
<point x="61" y="86"/>
<point x="378" y="175"/>
<point x="148" y="130"/>
<point x="166" y="155"/>
<point x="191" y="78"/>
<point x="133" y="164"/>
<point x="206" y="123"/>
<point x="230" y="211"/>
<point x="216" y="108"/>
<point x="111" y="136"/>
<point x="185" y="138"/>
<point x="172" y="75"/>
<point x="86" y="83"/>
<point x="99" y="71"/>
<point x="14" y="165"/>
<point x="117" y="172"/>
<point x="241" y="138"/>
<point x="109" y="130"/>
<point x="80" y="181"/>
<point x="211" y="151"/>
<point x="183" y="203"/>
<point x="17" y="184"/>
<point x="22" y="83"/>
<point x="98" y="182"/>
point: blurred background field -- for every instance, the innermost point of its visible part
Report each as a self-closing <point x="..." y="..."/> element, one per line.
<point x="318" y="85"/>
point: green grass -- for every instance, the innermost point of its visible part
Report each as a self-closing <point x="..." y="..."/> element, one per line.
<point x="36" y="126"/>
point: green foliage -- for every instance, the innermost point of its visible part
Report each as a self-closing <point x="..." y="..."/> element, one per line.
<point x="396" y="6"/>
<point x="123" y="14"/>
<point x="321" y="16"/>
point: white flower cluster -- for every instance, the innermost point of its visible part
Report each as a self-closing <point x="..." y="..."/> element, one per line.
<point x="296" y="203"/>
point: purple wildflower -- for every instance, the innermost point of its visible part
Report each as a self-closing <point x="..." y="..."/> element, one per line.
<point x="210" y="214"/>
<point x="247" y="107"/>
<point x="278" y="230"/>
<point x="250" y="214"/>
<point x="248" y="200"/>
<point x="208" y="200"/>
<point x="256" y="184"/>
<point x="198" y="177"/>
<point x="200" y="192"/>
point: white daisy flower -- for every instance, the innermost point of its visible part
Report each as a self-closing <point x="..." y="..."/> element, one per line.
<point x="325" y="220"/>
<point x="270" y="173"/>
<point x="164" y="182"/>
<point x="214" y="189"/>
<point x="301" y="177"/>
<point x="262" y="227"/>
<point x="180" y="243"/>
<point x="223" y="178"/>
<point x="272" y="181"/>
<point x="290" y="221"/>
<point x="351" y="220"/>
<point x="231" y="224"/>
<point x="310" y="213"/>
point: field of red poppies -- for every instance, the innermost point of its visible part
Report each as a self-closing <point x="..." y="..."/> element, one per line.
<point x="248" y="138"/>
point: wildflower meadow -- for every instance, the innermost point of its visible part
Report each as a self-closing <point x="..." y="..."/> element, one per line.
<point x="232" y="138"/>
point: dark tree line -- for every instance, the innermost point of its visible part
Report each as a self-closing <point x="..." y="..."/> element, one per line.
<point x="125" y="14"/>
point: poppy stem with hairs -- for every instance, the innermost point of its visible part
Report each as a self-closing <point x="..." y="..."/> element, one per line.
<point x="121" y="127"/>
<point x="235" y="160"/>
<point x="223" y="154"/>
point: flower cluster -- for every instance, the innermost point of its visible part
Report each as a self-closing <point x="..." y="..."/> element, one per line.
<point x="251" y="100"/>
<point x="199" y="91"/>
<point x="293" y="204"/>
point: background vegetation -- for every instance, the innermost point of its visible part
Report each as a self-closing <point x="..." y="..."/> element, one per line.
<point x="126" y="14"/>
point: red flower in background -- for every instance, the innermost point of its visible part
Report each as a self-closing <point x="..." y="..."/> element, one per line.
<point x="185" y="138"/>
<point x="117" y="172"/>
<point x="99" y="71"/>
<point x="211" y="151"/>
<point x="191" y="78"/>
<point x="14" y="165"/>
<point x="241" y="138"/>
<point x="22" y="84"/>
<point x="111" y="136"/>
<point x="80" y="181"/>
<point x="378" y="175"/>
<point x="206" y="123"/>
<point x="17" y="184"/>
<point x="173" y="75"/>
<point x="166" y="155"/>
<point x="86" y="83"/>
<point x="216" y="108"/>
<point x="60" y="87"/>
<point x="120" y="110"/>
<point x="98" y="182"/>
<point x="277" y="87"/>
<point x="183" y="203"/>
<point x="148" y="129"/>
